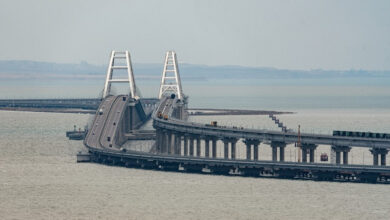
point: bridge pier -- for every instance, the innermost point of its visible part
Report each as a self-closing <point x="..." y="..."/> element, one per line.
<point x="281" y="152"/>
<point x="177" y="143"/>
<point x="214" y="148"/>
<point x="158" y="140"/>
<point x="232" y="142"/>
<point x="163" y="142"/>
<point x="249" y="143"/>
<point x="308" y="149"/>
<point x="275" y="145"/>
<point x="233" y="150"/>
<point x="226" y="149"/>
<point x="185" y="147"/>
<point x="376" y="152"/>
<point x="191" y="145"/>
<point x="198" y="146"/>
<point x="256" y="151"/>
<point x="339" y="150"/>
<point x="248" y="152"/>
<point x="169" y="142"/>
<point x="207" y="147"/>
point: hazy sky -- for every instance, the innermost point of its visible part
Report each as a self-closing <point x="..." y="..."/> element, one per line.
<point x="303" y="34"/>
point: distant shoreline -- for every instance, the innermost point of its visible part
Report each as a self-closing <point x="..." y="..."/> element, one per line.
<point x="192" y="111"/>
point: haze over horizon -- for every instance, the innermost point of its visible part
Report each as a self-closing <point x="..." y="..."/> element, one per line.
<point x="338" y="35"/>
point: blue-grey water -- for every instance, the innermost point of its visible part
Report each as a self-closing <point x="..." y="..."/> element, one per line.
<point x="39" y="178"/>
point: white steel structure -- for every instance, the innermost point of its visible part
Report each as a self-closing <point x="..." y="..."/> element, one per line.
<point x="115" y="55"/>
<point x="170" y="80"/>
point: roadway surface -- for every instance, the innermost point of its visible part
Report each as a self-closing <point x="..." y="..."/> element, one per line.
<point x="111" y="126"/>
<point x="105" y="123"/>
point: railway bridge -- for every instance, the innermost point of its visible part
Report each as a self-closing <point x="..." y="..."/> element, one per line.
<point x="185" y="146"/>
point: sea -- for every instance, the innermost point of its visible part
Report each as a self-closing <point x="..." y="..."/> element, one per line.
<point x="40" y="179"/>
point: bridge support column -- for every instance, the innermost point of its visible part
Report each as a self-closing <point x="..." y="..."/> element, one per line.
<point x="274" y="153"/>
<point x="232" y="142"/>
<point x="383" y="158"/>
<point x="164" y="142"/>
<point x="214" y="148"/>
<point x="177" y="143"/>
<point x="233" y="150"/>
<point x="158" y="140"/>
<point x="256" y="150"/>
<point x="281" y="153"/>
<point x="275" y="145"/>
<point x="311" y="155"/>
<point x="198" y="146"/>
<point x="169" y="142"/>
<point x="338" y="157"/>
<point x="207" y="147"/>
<point x="376" y="152"/>
<point x="339" y="150"/>
<point x="308" y="149"/>
<point x="185" y="147"/>
<point x="248" y="151"/>
<point x="225" y="149"/>
<point x="345" y="157"/>
<point x="191" y="146"/>
<point x="249" y="143"/>
<point x="304" y="154"/>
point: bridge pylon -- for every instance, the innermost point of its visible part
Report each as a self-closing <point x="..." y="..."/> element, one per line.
<point x="118" y="55"/>
<point x="170" y="80"/>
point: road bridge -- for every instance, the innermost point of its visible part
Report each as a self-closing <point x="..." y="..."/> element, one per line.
<point x="192" y="147"/>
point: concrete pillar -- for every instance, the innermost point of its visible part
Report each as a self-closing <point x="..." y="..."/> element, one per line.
<point x="207" y="147"/>
<point x="163" y="142"/>
<point x="311" y="155"/>
<point x="226" y="149"/>
<point x="169" y="142"/>
<point x="304" y="154"/>
<point x="275" y="145"/>
<point x="281" y="153"/>
<point x="185" y="147"/>
<point x="233" y="150"/>
<point x="256" y="151"/>
<point x="249" y="143"/>
<point x="198" y="146"/>
<point x="158" y="141"/>
<point x="248" y="151"/>
<point x="178" y="144"/>
<point x="383" y="159"/>
<point x="339" y="150"/>
<point x="375" y="154"/>
<point x="338" y="157"/>
<point x="191" y="146"/>
<point x="274" y="153"/>
<point x="345" y="157"/>
<point x="214" y="148"/>
<point x="375" y="159"/>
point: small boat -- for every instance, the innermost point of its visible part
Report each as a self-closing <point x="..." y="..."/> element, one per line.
<point x="77" y="134"/>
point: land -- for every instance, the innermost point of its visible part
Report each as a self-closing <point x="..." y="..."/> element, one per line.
<point x="192" y="111"/>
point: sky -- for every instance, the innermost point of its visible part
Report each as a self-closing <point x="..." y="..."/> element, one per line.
<point x="296" y="34"/>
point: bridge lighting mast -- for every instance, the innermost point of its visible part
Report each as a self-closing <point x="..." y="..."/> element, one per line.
<point x="116" y="55"/>
<point x="170" y="80"/>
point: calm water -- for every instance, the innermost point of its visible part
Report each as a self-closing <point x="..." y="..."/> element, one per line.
<point x="39" y="178"/>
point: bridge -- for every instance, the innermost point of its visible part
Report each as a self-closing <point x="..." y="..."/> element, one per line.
<point x="185" y="146"/>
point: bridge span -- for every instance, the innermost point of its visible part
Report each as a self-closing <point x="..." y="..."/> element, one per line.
<point x="175" y="148"/>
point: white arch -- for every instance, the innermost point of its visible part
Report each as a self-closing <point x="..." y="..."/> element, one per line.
<point x="170" y="80"/>
<point x="111" y="67"/>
